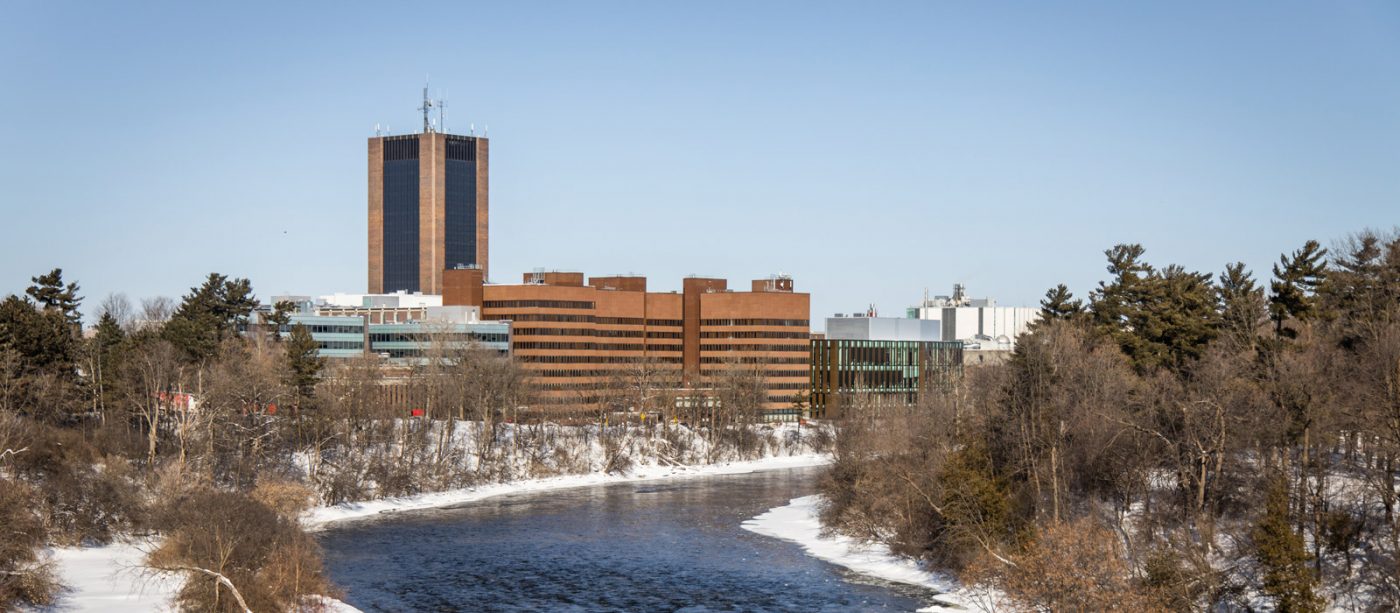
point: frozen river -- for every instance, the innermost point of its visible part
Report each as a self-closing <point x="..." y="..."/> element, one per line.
<point x="649" y="546"/>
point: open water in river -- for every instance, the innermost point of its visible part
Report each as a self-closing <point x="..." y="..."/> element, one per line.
<point x="644" y="546"/>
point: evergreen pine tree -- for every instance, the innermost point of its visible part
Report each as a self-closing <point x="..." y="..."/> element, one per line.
<point x="236" y="302"/>
<point x="109" y="332"/>
<point x="43" y="338"/>
<point x="1283" y="557"/>
<point x="50" y="292"/>
<point x="1113" y="301"/>
<point x="105" y="344"/>
<point x="1158" y="318"/>
<point x="1059" y="303"/>
<point x="1295" y="283"/>
<point x="303" y="363"/>
<point x="1176" y="320"/>
<point x="278" y="319"/>
<point x="209" y="314"/>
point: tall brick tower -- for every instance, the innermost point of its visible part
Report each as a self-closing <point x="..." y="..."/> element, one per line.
<point x="428" y="208"/>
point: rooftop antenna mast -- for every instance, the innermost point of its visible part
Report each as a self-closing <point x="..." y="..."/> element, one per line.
<point x="427" y="109"/>
<point x="442" y="113"/>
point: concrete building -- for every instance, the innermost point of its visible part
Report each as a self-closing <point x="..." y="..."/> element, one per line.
<point x="393" y="300"/>
<point x="978" y="322"/>
<point x="384" y="308"/>
<point x="575" y="337"/>
<point x="882" y="328"/>
<point x="428" y="209"/>
<point x="391" y="314"/>
<point x="870" y="363"/>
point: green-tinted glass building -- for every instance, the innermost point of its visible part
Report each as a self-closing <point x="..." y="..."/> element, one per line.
<point x="848" y="374"/>
<point x="348" y="336"/>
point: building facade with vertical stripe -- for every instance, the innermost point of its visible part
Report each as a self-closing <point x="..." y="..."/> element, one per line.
<point x="428" y="209"/>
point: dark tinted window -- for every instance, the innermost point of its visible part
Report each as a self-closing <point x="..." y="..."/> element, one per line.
<point x="460" y="204"/>
<point x="401" y="215"/>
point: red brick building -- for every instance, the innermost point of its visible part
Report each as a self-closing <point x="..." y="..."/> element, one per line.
<point x="573" y="336"/>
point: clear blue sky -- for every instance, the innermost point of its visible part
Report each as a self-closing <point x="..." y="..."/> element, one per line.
<point x="868" y="149"/>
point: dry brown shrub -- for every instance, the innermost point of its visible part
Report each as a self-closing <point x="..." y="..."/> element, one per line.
<point x="287" y="498"/>
<point x="14" y="435"/>
<point x="173" y="479"/>
<point x="24" y="578"/>
<point x="211" y="534"/>
<point x="1076" y="566"/>
<point x="86" y="496"/>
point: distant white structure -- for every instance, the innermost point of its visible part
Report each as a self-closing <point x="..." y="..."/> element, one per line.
<point x="397" y="300"/>
<point x="862" y="328"/>
<point x="399" y="307"/>
<point x="977" y="322"/>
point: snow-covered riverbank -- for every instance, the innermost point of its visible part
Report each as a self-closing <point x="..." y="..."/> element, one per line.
<point x="320" y="517"/>
<point x="111" y="579"/>
<point x="799" y="522"/>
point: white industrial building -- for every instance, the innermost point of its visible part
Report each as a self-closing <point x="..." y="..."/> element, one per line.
<point x="978" y="322"/>
<point x="399" y="300"/>
<point x="862" y="328"/>
<point x="398" y="307"/>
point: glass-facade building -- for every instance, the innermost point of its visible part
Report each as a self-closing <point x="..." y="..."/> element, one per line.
<point x="339" y="336"/>
<point x="336" y="337"/>
<point x="428" y="209"/>
<point x="413" y="341"/>
<point x="848" y="375"/>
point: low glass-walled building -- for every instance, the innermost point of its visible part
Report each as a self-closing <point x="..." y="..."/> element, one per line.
<point x="341" y="336"/>
<point x="852" y="374"/>
<point x="415" y="340"/>
<point x="336" y="337"/>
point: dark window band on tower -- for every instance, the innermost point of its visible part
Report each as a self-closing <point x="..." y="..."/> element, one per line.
<point x="461" y="149"/>
<point x="401" y="211"/>
<point x="460" y="213"/>
<point x="402" y="148"/>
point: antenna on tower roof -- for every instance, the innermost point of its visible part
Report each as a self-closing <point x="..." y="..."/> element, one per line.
<point x="442" y="115"/>
<point x="427" y="108"/>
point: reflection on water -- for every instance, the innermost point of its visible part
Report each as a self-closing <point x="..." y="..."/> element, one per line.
<point x="658" y="546"/>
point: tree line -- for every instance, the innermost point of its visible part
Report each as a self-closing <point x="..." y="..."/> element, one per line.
<point x="1179" y="441"/>
<point x="154" y="422"/>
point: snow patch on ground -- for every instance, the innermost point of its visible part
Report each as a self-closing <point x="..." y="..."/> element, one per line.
<point x="330" y="605"/>
<point x="460" y="454"/>
<point x="320" y="517"/>
<point x="110" y="579"/>
<point x="799" y="522"/>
